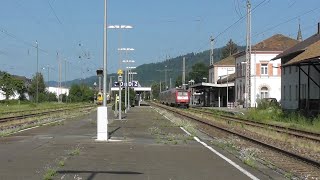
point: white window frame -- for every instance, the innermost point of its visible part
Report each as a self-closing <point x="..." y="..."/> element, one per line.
<point x="264" y="92"/>
<point x="264" y="69"/>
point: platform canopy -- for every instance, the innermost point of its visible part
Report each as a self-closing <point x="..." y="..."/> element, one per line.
<point x="208" y="85"/>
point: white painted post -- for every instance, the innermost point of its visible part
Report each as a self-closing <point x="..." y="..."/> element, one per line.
<point x="102" y="124"/>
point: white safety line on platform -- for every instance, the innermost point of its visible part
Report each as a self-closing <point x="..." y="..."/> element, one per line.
<point x="223" y="157"/>
<point x="251" y="176"/>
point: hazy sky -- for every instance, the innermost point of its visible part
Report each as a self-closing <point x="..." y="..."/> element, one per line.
<point x="74" y="29"/>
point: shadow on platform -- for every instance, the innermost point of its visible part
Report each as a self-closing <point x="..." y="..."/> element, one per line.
<point x="94" y="173"/>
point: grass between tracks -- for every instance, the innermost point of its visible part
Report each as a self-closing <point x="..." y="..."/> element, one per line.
<point x="275" y="115"/>
<point x="12" y="108"/>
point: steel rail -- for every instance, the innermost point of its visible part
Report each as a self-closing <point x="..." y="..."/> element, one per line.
<point x="281" y="129"/>
<point x="12" y="118"/>
<point x="272" y="147"/>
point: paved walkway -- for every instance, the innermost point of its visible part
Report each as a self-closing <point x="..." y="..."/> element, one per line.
<point x="144" y="146"/>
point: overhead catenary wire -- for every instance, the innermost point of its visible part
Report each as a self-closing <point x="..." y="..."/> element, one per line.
<point x="54" y="13"/>
<point x="233" y="24"/>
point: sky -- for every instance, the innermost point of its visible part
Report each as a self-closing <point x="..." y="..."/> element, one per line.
<point x="71" y="31"/>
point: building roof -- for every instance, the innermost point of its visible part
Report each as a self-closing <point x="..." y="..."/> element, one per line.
<point x="276" y="42"/>
<point x="311" y="52"/>
<point x="231" y="60"/>
<point x="231" y="78"/>
<point x="300" y="47"/>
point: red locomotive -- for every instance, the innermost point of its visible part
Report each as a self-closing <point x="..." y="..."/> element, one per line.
<point x="175" y="97"/>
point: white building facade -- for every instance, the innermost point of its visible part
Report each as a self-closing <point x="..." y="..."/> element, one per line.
<point x="301" y="76"/>
<point x="221" y="69"/>
<point x="58" y="91"/>
<point x="265" y="77"/>
<point x="265" y="72"/>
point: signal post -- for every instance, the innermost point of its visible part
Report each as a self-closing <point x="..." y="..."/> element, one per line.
<point x="120" y="88"/>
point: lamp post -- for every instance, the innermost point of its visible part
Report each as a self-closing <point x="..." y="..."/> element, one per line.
<point x="127" y="91"/>
<point x="120" y="27"/>
<point x="126" y="75"/>
<point x="130" y="79"/>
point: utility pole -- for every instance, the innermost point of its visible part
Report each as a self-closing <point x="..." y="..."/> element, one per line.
<point x="183" y="72"/>
<point x="65" y="78"/>
<point x="248" y="56"/>
<point x="48" y="67"/>
<point x="37" y="74"/>
<point x="60" y="71"/>
<point x="211" y="51"/>
<point x="170" y="84"/>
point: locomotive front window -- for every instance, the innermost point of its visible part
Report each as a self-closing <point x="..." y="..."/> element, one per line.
<point x="180" y="93"/>
<point x="185" y="93"/>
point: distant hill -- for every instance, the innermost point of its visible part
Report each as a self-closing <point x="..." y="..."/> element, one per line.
<point x="154" y="72"/>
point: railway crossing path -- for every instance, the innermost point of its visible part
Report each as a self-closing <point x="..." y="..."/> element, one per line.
<point x="145" y="145"/>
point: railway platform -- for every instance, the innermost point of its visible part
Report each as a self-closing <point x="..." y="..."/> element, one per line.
<point x="144" y="145"/>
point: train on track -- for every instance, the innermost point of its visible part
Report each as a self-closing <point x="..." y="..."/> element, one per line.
<point x="175" y="97"/>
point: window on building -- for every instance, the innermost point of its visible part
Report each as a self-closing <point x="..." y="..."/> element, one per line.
<point x="297" y="92"/>
<point x="264" y="69"/>
<point x="243" y="70"/>
<point x="284" y="93"/>
<point x="290" y="70"/>
<point x="296" y="68"/>
<point x="264" y="92"/>
<point x="284" y="70"/>
<point x="212" y="77"/>
<point x="289" y="91"/>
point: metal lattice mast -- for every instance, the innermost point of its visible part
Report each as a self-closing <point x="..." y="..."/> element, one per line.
<point x="211" y="51"/>
<point x="248" y="56"/>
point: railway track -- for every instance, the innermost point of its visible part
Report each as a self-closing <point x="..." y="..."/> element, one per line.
<point x="310" y="163"/>
<point x="24" y="116"/>
<point x="287" y="130"/>
<point x="7" y="113"/>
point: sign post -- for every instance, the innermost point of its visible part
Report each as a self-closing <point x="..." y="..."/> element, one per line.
<point x="120" y="88"/>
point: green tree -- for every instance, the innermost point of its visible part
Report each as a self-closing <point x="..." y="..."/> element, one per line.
<point x="155" y="89"/>
<point x="199" y="71"/>
<point x="20" y="88"/>
<point x="7" y="85"/>
<point x="41" y="87"/>
<point x="52" y="97"/>
<point x="229" y="49"/>
<point x="81" y="93"/>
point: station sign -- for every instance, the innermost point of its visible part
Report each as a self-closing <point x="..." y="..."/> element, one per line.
<point x="130" y="84"/>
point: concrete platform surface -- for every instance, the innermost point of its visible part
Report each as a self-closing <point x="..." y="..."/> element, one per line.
<point x="143" y="146"/>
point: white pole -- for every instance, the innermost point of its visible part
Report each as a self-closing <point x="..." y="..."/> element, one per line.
<point x="102" y="112"/>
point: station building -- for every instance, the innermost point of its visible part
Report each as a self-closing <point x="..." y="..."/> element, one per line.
<point x="220" y="86"/>
<point x="226" y="86"/>
<point x="300" y="81"/>
<point x="265" y="74"/>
